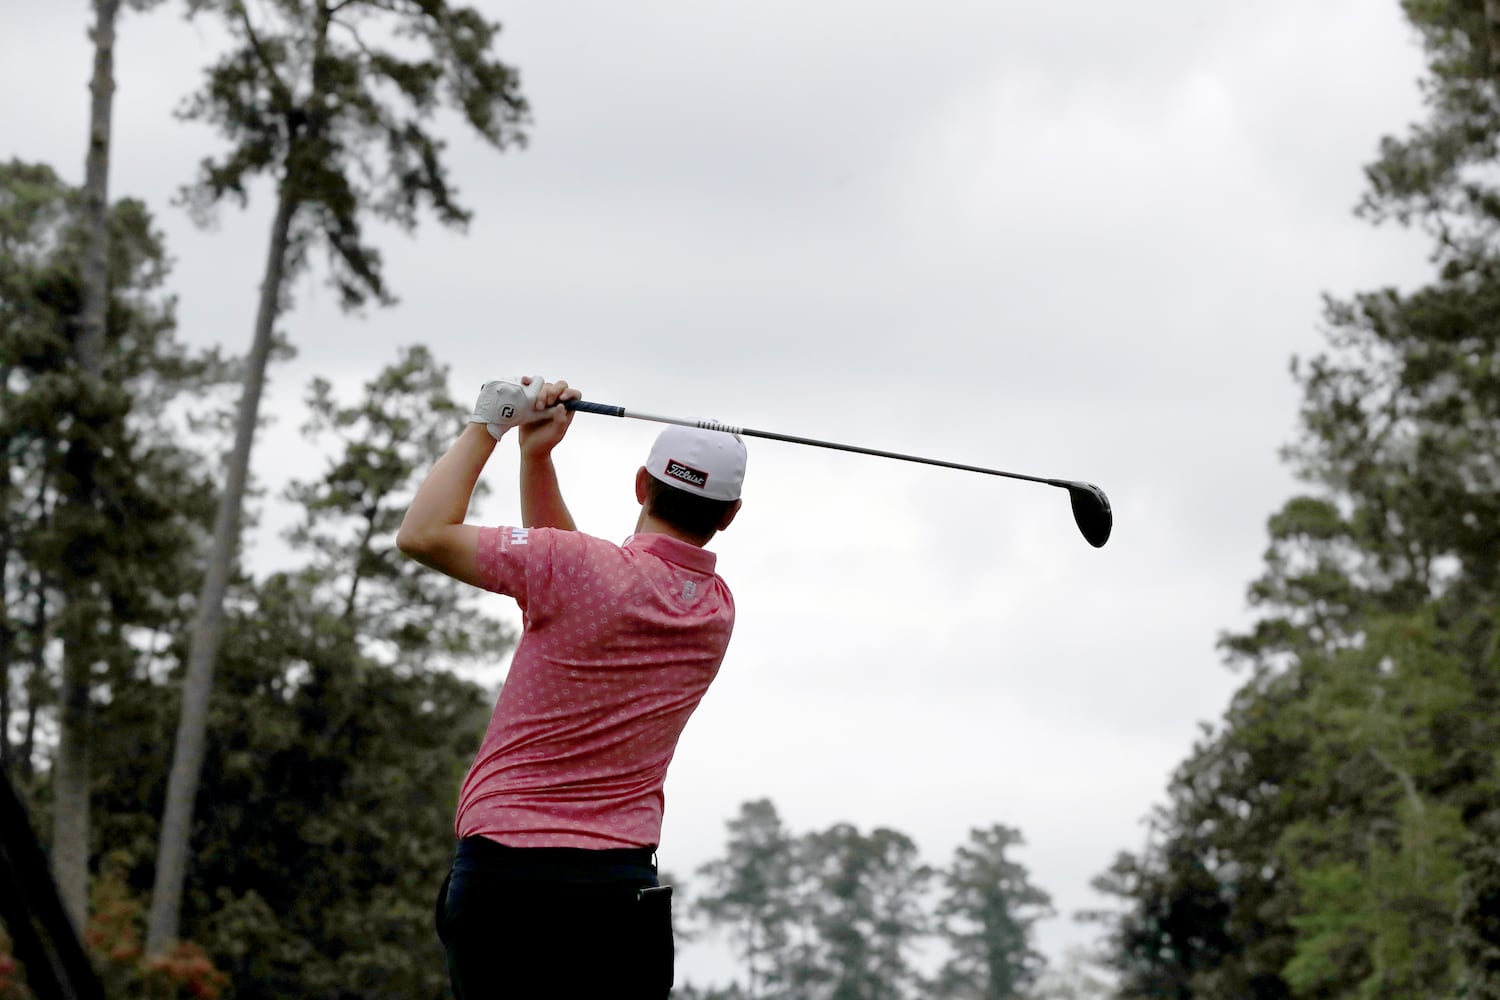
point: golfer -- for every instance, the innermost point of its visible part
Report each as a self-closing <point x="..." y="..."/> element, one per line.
<point x="553" y="890"/>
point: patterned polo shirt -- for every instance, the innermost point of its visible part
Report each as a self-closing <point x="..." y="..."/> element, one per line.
<point x="618" y="645"/>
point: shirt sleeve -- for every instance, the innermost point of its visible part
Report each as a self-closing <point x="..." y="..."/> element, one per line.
<point x="540" y="567"/>
<point x="516" y="562"/>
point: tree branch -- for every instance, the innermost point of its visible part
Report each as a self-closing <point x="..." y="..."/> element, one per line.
<point x="283" y="92"/>
<point x="359" y="41"/>
<point x="1406" y="780"/>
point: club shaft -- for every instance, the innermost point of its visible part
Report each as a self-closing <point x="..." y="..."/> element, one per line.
<point x="609" y="410"/>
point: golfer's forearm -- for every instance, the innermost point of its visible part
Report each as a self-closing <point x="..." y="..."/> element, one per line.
<point x="542" y="503"/>
<point x="443" y="498"/>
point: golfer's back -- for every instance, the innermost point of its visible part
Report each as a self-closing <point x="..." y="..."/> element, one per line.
<point x="618" y="646"/>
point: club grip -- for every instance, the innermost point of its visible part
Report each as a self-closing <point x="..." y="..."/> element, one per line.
<point x="603" y="409"/>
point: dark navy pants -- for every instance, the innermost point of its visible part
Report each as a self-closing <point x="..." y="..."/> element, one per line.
<point x="556" y="923"/>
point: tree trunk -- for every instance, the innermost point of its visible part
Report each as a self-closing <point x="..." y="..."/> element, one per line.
<point x="1492" y="22"/>
<point x="70" y="823"/>
<point x="89" y="347"/>
<point x="361" y="560"/>
<point x="8" y="628"/>
<point x="36" y="678"/>
<point x="70" y="776"/>
<point x="7" y="645"/>
<point x="208" y="624"/>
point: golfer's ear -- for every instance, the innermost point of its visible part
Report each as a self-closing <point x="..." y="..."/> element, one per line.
<point x="729" y="515"/>
<point x="642" y="484"/>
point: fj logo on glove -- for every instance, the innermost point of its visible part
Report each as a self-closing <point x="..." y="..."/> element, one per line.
<point x="692" y="477"/>
<point x="507" y="411"/>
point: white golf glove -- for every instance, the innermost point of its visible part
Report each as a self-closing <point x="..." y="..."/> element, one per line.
<point x="506" y="403"/>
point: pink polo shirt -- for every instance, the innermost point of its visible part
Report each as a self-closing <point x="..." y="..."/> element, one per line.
<point x="618" y="645"/>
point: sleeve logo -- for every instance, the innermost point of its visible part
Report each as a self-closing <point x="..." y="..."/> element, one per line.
<point x="519" y="536"/>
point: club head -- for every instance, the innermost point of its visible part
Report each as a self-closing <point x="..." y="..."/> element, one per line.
<point x="1091" y="511"/>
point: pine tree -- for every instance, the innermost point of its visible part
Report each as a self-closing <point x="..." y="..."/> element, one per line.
<point x="308" y="94"/>
<point x="1328" y="837"/>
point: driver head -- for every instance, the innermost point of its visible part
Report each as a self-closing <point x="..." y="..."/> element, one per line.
<point x="1091" y="512"/>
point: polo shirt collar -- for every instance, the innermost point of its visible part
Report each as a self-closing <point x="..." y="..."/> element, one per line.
<point x="673" y="550"/>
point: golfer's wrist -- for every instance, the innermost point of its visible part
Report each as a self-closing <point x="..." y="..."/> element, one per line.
<point x="537" y="456"/>
<point x="477" y="433"/>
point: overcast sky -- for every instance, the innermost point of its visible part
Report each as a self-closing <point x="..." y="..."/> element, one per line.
<point x="1078" y="240"/>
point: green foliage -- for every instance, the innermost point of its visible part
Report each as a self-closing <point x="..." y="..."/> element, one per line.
<point x="114" y="934"/>
<point x="124" y="558"/>
<point x="840" y="914"/>
<point x="312" y="92"/>
<point x="324" y="820"/>
<point x="103" y="497"/>
<point x="1478" y="938"/>
<point x="401" y="612"/>
<point x="1330" y="837"/>
<point x="753" y="891"/>
<point x="988" y="916"/>
<point x="864" y="905"/>
<point x="340" y="100"/>
<point x="1437" y="173"/>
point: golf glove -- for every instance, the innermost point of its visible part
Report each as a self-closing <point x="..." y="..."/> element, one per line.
<point x="506" y="403"/>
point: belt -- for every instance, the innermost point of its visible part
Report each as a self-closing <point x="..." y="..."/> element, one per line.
<point x="555" y="864"/>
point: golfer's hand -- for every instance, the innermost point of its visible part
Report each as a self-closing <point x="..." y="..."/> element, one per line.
<point x="506" y="403"/>
<point x="543" y="432"/>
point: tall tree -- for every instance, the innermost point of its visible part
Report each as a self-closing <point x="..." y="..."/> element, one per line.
<point x="121" y="557"/>
<point x="356" y="743"/>
<point x="833" y="915"/>
<point x="309" y="86"/>
<point x="753" y="889"/>
<point x="865" y="894"/>
<point x="70" y="827"/>
<point x="988" y="913"/>
<point x="326" y="808"/>
<point x="1351" y="767"/>
<point x="84" y="607"/>
<point x="401" y="613"/>
<point x="35" y="210"/>
<point x="840" y="914"/>
<point x="1330" y="837"/>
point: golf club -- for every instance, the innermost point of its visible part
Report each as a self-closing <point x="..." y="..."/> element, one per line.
<point x="1090" y="505"/>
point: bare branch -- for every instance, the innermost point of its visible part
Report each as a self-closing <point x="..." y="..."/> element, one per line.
<point x="283" y="92"/>
<point x="359" y="41"/>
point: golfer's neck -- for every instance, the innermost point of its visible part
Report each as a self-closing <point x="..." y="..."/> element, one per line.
<point x="646" y="524"/>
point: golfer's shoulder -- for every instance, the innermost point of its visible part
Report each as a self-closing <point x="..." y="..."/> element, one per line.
<point x="547" y="543"/>
<point x="578" y="547"/>
<point x="569" y="540"/>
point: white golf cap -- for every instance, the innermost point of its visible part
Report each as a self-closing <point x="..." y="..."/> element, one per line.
<point x="707" y="463"/>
